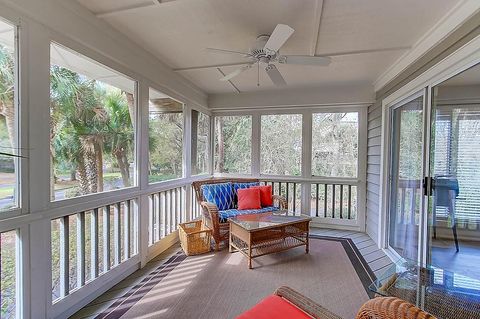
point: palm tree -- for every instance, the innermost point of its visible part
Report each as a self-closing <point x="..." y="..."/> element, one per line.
<point x="77" y="111"/>
<point x="7" y="89"/>
<point x="120" y="132"/>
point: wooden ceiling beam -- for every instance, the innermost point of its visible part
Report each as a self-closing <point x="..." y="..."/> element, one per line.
<point x="317" y="20"/>
<point x="134" y="7"/>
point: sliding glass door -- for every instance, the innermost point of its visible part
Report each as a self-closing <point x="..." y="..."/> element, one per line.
<point x="454" y="204"/>
<point x="405" y="176"/>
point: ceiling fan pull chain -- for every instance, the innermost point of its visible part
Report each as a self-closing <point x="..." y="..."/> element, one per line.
<point x="258" y="74"/>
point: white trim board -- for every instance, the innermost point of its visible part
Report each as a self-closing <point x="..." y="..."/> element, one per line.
<point x="362" y="94"/>
<point x="444" y="27"/>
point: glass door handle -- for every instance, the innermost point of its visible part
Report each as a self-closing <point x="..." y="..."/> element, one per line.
<point x="428" y="185"/>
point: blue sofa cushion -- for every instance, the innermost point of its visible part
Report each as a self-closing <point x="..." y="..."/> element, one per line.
<point x="219" y="194"/>
<point x="224" y="215"/>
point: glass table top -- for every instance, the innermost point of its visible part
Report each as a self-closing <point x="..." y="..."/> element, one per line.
<point x="440" y="292"/>
<point x="266" y="220"/>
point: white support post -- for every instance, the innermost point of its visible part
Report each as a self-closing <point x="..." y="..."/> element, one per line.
<point x="35" y="70"/>
<point x="256" y="136"/>
<point x="142" y="204"/>
<point x="306" y="161"/>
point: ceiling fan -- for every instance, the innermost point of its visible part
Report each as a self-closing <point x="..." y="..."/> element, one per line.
<point x="266" y="51"/>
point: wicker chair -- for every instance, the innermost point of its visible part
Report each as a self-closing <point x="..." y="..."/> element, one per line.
<point x="210" y="210"/>
<point x="391" y="308"/>
<point x="377" y="308"/>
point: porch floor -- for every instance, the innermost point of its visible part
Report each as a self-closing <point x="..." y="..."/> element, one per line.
<point x="375" y="258"/>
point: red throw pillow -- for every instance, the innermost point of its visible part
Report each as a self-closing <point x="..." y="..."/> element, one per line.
<point x="265" y="195"/>
<point x="249" y="198"/>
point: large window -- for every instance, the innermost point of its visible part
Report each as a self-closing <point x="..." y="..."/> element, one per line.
<point x="233" y="144"/>
<point x="8" y="141"/>
<point x="92" y="131"/>
<point x="8" y="264"/>
<point x="200" y="142"/>
<point x="335" y="144"/>
<point x="281" y="144"/>
<point x="165" y="138"/>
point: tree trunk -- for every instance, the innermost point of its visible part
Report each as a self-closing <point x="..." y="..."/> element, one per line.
<point x="82" y="176"/>
<point x="99" y="163"/>
<point x="8" y="110"/>
<point x="123" y="168"/>
<point x="131" y="107"/>
<point x="194" y="142"/>
<point x="90" y="160"/>
<point x="221" y="148"/>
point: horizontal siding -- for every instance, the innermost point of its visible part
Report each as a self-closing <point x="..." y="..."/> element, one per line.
<point x="373" y="168"/>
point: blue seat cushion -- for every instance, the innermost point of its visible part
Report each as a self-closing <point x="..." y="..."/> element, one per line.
<point x="220" y="194"/>
<point x="224" y="215"/>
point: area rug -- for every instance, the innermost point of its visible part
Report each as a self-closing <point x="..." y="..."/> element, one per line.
<point x="220" y="285"/>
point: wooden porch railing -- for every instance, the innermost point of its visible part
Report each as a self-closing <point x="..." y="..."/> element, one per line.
<point x="89" y="243"/>
<point x="167" y="210"/>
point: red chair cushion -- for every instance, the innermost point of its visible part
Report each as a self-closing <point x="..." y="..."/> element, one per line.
<point x="265" y="195"/>
<point x="274" y="307"/>
<point x="249" y="198"/>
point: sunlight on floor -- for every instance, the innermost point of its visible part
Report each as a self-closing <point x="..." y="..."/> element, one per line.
<point x="235" y="259"/>
<point x="153" y="314"/>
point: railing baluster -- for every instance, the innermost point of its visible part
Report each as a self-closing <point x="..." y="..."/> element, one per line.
<point x="64" y="257"/>
<point x="183" y="216"/>
<point x="177" y="206"/>
<point x="294" y="198"/>
<point x="156" y="210"/>
<point x="349" y="201"/>
<point x="325" y="201"/>
<point x="412" y="206"/>
<point x="333" y="200"/>
<point x="94" y="244"/>
<point x="287" y="195"/>
<point x="402" y="204"/>
<point x="126" y="229"/>
<point x="106" y="238"/>
<point x="341" y="201"/>
<point x="168" y="213"/>
<point x="151" y="219"/>
<point x="116" y="233"/>
<point x="172" y="210"/>
<point x="317" y="200"/>
<point x="135" y="232"/>
<point x="163" y="214"/>
<point x="80" y="249"/>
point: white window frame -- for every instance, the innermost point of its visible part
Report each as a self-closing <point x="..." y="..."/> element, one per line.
<point x="306" y="176"/>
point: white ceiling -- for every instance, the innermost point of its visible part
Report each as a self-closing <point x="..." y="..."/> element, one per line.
<point x="178" y="32"/>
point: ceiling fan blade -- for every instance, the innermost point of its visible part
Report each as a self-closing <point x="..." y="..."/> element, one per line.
<point x="278" y="38"/>
<point x="233" y="74"/>
<point x="228" y="51"/>
<point x="275" y="75"/>
<point x="305" y="60"/>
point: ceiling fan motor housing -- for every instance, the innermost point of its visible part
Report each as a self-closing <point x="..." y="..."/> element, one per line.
<point x="258" y="51"/>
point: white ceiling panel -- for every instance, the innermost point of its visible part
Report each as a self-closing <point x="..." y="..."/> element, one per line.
<point x="349" y="25"/>
<point x="178" y="32"/>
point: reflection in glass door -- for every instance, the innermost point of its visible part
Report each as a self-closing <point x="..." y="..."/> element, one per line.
<point x="454" y="207"/>
<point x="406" y="157"/>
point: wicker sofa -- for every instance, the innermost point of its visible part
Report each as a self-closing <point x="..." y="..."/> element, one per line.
<point x="216" y="219"/>
<point x="288" y="303"/>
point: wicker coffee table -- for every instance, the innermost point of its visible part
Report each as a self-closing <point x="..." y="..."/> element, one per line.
<point x="257" y="235"/>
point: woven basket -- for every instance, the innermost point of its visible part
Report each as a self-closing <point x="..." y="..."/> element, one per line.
<point x="194" y="238"/>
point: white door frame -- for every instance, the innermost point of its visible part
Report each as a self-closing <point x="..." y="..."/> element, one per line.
<point x="462" y="59"/>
